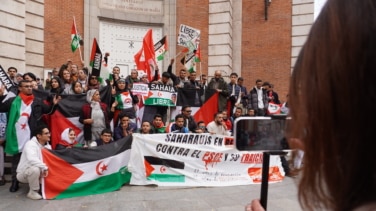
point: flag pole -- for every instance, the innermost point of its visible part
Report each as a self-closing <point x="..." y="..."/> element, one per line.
<point x="200" y="68"/>
<point x="185" y="50"/>
<point x="177" y="54"/>
<point x="79" y="45"/>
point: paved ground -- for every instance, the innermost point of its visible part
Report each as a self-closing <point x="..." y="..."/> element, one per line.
<point x="282" y="197"/>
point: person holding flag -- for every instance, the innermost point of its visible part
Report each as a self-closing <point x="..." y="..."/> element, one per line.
<point x="25" y="114"/>
<point x="125" y="101"/>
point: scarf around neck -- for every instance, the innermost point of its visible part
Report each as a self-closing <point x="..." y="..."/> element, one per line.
<point x="27" y="99"/>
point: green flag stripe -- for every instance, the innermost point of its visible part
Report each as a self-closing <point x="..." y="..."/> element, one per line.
<point x="11" y="133"/>
<point x="159" y="101"/>
<point x="103" y="184"/>
<point x="75" y="43"/>
<point x="119" y="100"/>
<point x="167" y="177"/>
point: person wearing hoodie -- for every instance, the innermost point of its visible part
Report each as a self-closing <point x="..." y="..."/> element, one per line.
<point x="31" y="167"/>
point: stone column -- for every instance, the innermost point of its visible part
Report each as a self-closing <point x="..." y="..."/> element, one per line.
<point x="302" y="19"/>
<point x="220" y="37"/>
<point x="34" y="49"/>
<point x="12" y="36"/>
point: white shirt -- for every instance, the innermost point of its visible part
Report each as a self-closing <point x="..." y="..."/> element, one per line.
<point x="259" y="98"/>
<point x="216" y="129"/>
<point x="31" y="156"/>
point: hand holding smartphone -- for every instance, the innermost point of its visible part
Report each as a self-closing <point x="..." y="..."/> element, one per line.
<point x="261" y="134"/>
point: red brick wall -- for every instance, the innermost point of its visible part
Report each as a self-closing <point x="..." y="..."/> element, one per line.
<point x="266" y="51"/>
<point x="194" y="13"/>
<point x="58" y="20"/>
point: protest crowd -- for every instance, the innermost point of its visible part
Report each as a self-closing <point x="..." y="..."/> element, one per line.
<point x="111" y="110"/>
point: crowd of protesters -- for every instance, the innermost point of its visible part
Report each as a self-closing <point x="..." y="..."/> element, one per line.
<point x="234" y="101"/>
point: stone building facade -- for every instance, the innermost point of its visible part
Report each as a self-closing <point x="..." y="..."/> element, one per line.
<point x="235" y="35"/>
<point x="22" y="35"/>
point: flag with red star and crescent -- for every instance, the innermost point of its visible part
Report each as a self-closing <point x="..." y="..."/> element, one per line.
<point x="18" y="131"/>
<point x="81" y="172"/>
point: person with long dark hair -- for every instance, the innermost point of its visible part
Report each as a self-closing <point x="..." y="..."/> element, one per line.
<point x="331" y="99"/>
<point x="56" y="86"/>
<point x="75" y="89"/>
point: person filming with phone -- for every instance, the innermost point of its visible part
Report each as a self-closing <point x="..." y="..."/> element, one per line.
<point x="336" y="62"/>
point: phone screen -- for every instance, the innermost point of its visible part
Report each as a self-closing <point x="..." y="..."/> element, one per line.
<point x="260" y="133"/>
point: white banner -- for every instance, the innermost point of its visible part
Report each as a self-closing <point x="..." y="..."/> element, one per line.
<point x="162" y="95"/>
<point x="177" y="159"/>
<point x="140" y="89"/>
<point x="187" y="36"/>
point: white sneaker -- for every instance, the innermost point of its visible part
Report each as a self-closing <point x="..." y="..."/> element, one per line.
<point x="34" y="195"/>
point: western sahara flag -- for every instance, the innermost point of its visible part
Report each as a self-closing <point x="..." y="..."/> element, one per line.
<point x="75" y="38"/>
<point x="189" y="61"/>
<point x="81" y="172"/>
<point x="96" y="59"/>
<point x="66" y="116"/>
<point x="68" y="112"/>
<point x="161" y="48"/>
<point x="162" y="170"/>
<point x="206" y="110"/>
<point x="18" y="131"/>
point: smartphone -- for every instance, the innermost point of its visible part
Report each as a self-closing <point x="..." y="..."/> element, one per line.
<point x="260" y="133"/>
<point x="265" y="134"/>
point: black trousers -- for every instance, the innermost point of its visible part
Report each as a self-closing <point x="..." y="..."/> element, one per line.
<point x="15" y="160"/>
